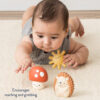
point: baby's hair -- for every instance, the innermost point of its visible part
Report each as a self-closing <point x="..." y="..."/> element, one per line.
<point x="50" y="10"/>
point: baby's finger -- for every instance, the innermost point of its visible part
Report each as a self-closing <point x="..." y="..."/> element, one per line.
<point x="71" y="63"/>
<point x="76" y="34"/>
<point x="75" y="65"/>
<point x="17" y="70"/>
<point x="22" y="69"/>
<point x="81" y="34"/>
<point x="32" y="64"/>
<point x="82" y="30"/>
<point x="66" y="56"/>
<point x="26" y="67"/>
<point x="67" y="60"/>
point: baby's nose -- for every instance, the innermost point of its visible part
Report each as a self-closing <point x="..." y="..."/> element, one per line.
<point x="47" y="42"/>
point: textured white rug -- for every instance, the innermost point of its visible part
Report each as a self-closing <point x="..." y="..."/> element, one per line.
<point x="17" y="86"/>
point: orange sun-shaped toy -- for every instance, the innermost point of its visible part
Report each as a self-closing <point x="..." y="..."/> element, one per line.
<point x="57" y="59"/>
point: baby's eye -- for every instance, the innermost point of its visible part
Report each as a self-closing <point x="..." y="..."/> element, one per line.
<point x="54" y="37"/>
<point x="40" y="36"/>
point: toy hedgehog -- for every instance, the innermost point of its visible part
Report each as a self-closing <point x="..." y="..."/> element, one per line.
<point x="63" y="85"/>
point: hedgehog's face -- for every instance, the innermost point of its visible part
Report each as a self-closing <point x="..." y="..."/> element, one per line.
<point x="62" y="82"/>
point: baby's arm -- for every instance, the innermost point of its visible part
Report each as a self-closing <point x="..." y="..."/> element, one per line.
<point x="22" y="54"/>
<point x="78" y="53"/>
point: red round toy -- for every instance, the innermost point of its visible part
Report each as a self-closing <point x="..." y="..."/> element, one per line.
<point x="38" y="75"/>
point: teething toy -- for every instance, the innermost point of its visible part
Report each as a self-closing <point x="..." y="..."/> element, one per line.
<point x="38" y="76"/>
<point x="57" y="59"/>
<point x="63" y="85"/>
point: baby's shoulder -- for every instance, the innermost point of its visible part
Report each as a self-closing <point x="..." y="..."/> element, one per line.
<point x="73" y="41"/>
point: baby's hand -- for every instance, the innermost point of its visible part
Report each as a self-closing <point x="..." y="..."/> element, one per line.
<point x="24" y="64"/>
<point x="71" y="60"/>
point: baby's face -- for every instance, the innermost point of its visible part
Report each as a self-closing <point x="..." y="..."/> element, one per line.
<point x="48" y="36"/>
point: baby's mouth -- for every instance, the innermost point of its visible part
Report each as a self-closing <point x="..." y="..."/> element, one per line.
<point x="46" y="50"/>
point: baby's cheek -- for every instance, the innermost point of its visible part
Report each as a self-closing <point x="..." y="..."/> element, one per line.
<point x="57" y="44"/>
<point x="37" y="43"/>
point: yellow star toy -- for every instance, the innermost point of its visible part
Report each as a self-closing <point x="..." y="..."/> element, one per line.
<point x="57" y="59"/>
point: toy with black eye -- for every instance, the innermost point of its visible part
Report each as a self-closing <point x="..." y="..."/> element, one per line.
<point x="63" y="85"/>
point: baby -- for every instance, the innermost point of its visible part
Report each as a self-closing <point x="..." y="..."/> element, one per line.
<point x="48" y="30"/>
